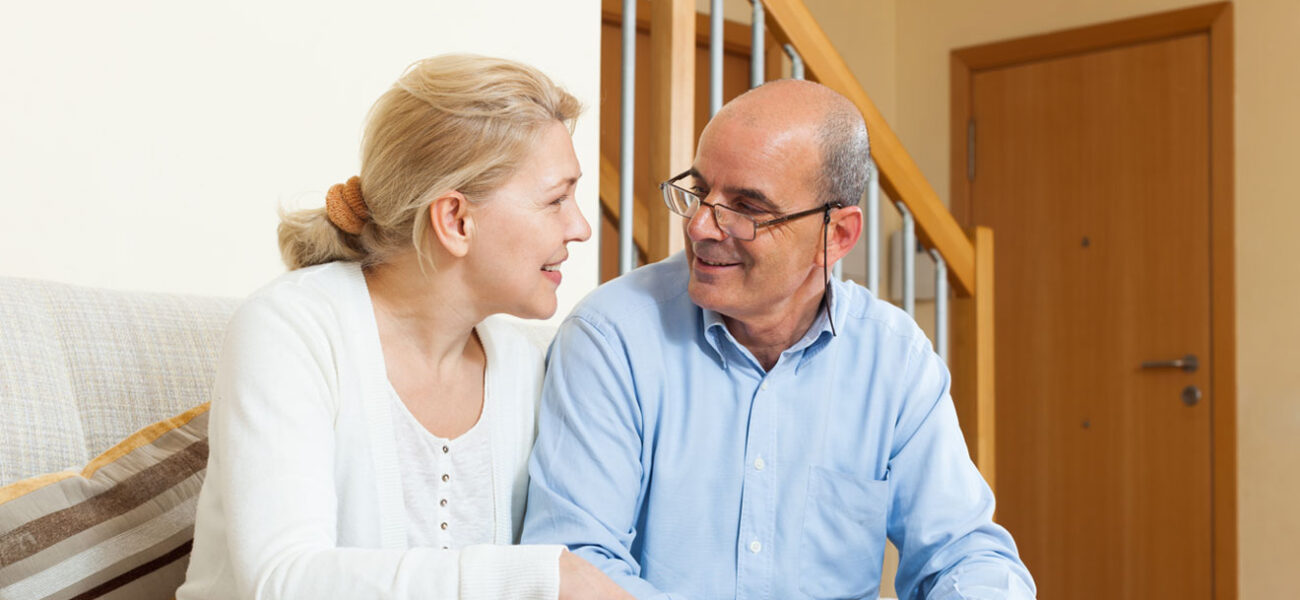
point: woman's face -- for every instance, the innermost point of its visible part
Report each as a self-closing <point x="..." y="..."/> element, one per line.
<point x="523" y="228"/>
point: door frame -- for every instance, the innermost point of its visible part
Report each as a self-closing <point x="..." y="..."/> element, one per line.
<point x="1215" y="20"/>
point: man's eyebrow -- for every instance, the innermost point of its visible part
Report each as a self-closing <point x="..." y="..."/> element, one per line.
<point x="751" y="194"/>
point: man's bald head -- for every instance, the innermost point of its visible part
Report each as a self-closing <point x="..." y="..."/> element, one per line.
<point x="792" y="106"/>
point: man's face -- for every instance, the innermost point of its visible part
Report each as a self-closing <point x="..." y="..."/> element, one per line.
<point x="763" y="173"/>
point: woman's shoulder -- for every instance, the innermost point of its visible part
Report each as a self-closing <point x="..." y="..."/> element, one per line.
<point x="320" y="296"/>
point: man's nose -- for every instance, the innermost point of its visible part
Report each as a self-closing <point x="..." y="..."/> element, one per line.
<point x="703" y="226"/>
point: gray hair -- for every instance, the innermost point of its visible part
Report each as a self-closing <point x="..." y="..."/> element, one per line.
<point x="846" y="155"/>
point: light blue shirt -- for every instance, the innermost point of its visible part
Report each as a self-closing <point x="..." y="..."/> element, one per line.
<point x="672" y="461"/>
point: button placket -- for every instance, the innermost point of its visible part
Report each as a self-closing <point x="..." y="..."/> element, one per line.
<point x="758" y="488"/>
<point x="442" y="504"/>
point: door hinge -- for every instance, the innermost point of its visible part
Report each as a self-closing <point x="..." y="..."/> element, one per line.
<point x="970" y="150"/>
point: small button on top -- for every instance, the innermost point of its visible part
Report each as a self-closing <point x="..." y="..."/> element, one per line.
<point x="445" y="449"/>
<point x="442" y="502"/>
<point x="763" y="386"/>
<point x="754" y="546"/>
<point x="446" y="477"/>
<point x="759" y="464"/>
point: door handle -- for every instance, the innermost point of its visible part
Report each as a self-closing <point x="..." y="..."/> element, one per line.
<point x="1187" y="363"/>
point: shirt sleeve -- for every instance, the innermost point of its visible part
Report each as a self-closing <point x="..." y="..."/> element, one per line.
<point x="588" y="475"/>
<point x="273" y="445"/>
<point x="941" y="517"/>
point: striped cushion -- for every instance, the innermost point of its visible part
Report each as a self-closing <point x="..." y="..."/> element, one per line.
<point x="121" y="528"/>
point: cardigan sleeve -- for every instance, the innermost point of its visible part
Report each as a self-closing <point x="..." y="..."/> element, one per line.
<point x="272" y="467"/>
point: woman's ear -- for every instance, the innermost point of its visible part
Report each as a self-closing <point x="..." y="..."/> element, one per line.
<point x="450" y="222"/>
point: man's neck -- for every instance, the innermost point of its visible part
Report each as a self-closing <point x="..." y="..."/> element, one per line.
<point x="767" y="336"/>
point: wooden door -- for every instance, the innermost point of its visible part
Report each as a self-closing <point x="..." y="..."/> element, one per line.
<point x="1093" y="169"/>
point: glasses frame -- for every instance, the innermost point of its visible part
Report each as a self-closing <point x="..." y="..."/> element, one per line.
<point x="672" y="183"/>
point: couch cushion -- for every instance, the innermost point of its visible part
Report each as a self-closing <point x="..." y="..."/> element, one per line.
<point x="81" y="368"/>
<point x="124" y="524"/>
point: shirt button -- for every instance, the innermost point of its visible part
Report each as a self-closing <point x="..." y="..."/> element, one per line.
<point x="754" y="546"/>
<point x="446" y="477"/>
<point x="445" y="449"/>
<point x="759" y="464"/>
<point x="442" y="502"/>
<point x="444" y="526"/>
<point x="763" y="387"/>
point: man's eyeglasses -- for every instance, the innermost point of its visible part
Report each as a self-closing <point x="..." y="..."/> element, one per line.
<point x="734" y="223"/>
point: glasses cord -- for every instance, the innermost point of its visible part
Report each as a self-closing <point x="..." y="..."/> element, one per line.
<point x="826" y="294"/>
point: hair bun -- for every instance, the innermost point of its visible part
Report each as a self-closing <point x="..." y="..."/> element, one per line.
<point x="345" y="207"/>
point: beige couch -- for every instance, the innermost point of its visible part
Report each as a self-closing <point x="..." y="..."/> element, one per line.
<point x="82" y="368"/>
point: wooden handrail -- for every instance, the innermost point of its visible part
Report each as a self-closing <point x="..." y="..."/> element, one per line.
<point x="790" y="22"/>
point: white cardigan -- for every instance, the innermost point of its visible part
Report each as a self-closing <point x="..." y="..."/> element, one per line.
<point x="303" y="496"/>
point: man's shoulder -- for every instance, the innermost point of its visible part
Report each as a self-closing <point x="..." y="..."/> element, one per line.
<point x="869" y="319"/>
<point x="638" y="296"/>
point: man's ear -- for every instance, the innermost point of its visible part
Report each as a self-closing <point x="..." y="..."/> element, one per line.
<point x="842" y="233"/>
<point x="450" y="222"/>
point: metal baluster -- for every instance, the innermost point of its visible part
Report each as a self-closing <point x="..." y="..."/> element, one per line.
<point x="796" y="62"/>
<point x="873" y="231"/>
<point x="626" y="250"/>
<point x="940" y="304"/>
<point x="715" y="57"/>
<point x="909" y="260"/>
<point x="757" y="62"/>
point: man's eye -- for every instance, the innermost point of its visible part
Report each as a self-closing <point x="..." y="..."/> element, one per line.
<point x="559" y="201"/>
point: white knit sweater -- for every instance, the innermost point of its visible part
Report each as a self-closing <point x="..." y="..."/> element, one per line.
<point x="303" y="495"/>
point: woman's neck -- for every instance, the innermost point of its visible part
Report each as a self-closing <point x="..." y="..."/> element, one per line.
<point x="425" y="312"/>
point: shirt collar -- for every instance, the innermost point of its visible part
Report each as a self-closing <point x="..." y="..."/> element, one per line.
<point x="813" y="341"/>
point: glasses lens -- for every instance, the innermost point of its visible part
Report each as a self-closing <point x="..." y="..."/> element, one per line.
<point x="680" y="201"/>
<point x="735" y="224"/>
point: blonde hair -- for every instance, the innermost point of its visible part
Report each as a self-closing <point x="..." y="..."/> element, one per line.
<point x="452" y="122"/>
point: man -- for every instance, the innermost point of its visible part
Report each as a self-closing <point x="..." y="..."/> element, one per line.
<point x="725" y="424"/>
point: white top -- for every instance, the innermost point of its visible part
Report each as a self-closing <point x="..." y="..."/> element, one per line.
<point x="303" y="496"/>
<point x="447" y="484"/>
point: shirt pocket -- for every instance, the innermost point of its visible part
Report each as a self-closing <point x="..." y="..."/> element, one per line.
<point x="842" y="546"/>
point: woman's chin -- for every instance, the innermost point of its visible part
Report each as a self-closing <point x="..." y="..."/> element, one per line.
<point x="542" y="308"/>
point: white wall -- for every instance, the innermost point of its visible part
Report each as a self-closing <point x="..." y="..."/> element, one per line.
<point x="146" y="144"/>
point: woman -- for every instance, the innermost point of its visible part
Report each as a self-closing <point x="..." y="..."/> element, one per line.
<point x="370" y="430"/>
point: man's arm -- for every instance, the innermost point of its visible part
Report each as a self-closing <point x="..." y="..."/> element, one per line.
<point x="588" y="479"/>
<point x="941" y="517"/>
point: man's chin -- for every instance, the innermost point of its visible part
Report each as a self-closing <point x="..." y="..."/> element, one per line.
<point x="705" y="295"/>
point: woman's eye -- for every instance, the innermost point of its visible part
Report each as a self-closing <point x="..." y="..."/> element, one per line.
<point x="559" y="201"/>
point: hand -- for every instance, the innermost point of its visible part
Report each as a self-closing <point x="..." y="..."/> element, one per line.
<point x="579" y="580"/>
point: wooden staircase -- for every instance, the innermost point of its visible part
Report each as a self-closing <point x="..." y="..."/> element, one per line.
<point x="676" y="114"/>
